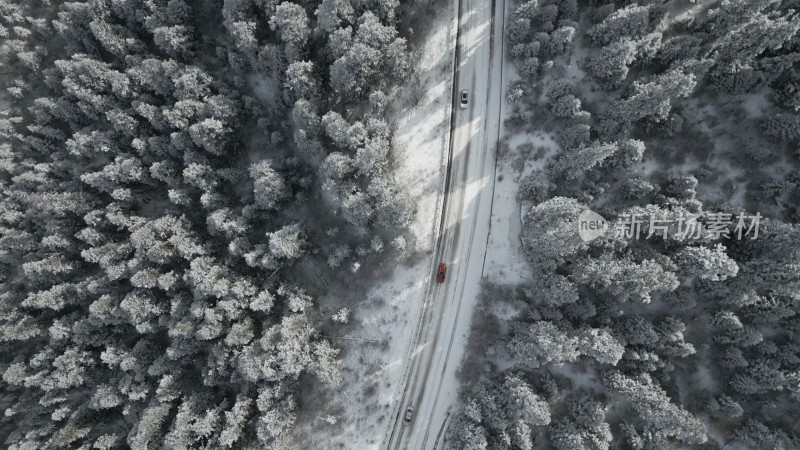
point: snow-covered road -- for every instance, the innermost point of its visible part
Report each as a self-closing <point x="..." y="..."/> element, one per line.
<point x="431" y="388"/>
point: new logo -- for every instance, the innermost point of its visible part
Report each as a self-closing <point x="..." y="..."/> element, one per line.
<point x="591" y="225"/>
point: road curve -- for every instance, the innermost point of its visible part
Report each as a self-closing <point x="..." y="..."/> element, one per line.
<point x="431" y="385"/>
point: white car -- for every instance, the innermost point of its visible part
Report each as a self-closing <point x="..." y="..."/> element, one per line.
<point x="464" y="98"/>
<point x="409" y="414"/>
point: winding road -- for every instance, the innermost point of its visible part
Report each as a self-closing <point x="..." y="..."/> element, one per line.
<point x="431" y="385"/>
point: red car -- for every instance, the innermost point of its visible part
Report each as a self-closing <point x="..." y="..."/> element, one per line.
<point x="441" y="272"/>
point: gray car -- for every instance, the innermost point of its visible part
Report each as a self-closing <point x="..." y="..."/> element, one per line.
<point x="409" y="414"/>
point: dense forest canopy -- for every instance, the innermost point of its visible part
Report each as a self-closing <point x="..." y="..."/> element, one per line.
<point x="166" y="168"/>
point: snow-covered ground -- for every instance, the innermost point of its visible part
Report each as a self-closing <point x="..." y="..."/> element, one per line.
<point x="372" y="371"/>
<point x="523" y="154"/>
<point x="526" y="153"/>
